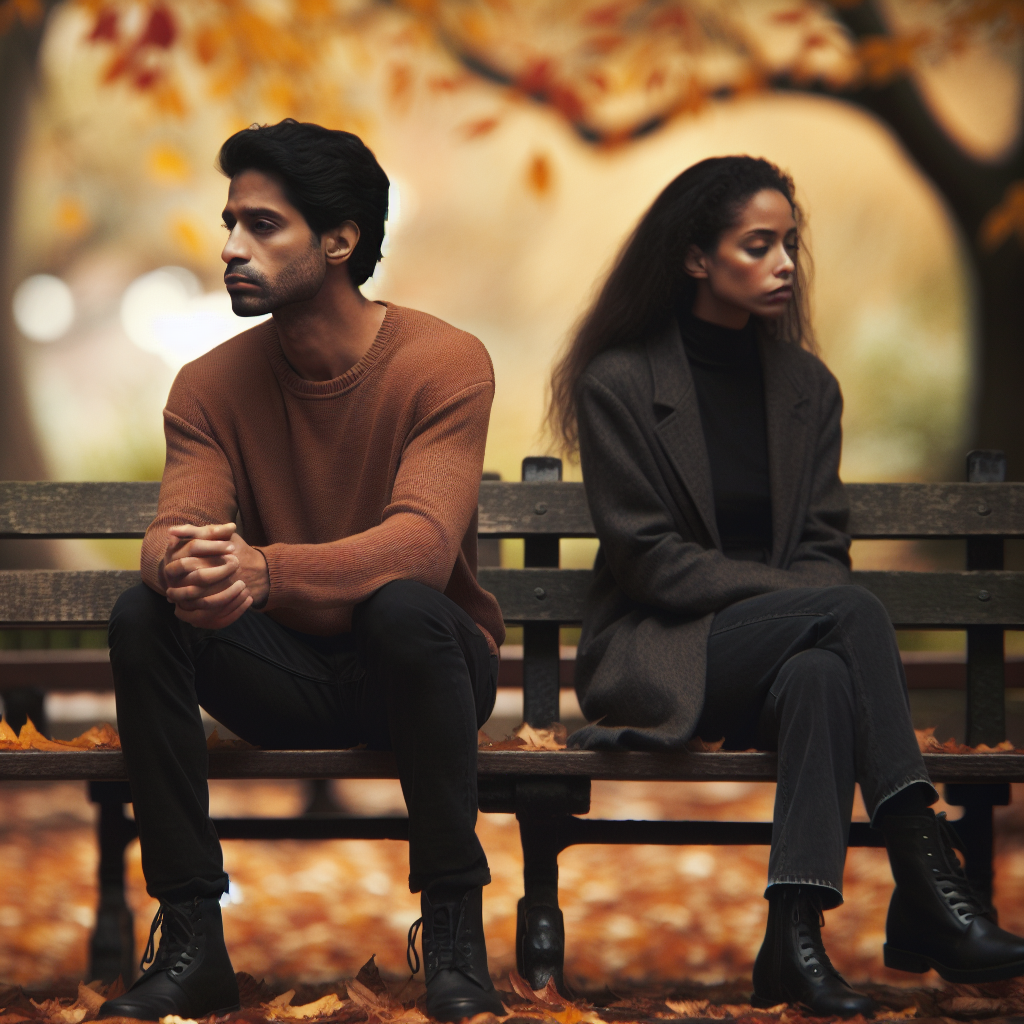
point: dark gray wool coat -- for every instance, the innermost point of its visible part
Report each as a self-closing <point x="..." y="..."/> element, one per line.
<point x="660" y="574"/>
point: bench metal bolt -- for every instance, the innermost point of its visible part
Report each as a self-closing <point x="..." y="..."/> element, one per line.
<point x="540" y="593"/>
<point x="540" y="508"/>
<point x="984" y="595"/>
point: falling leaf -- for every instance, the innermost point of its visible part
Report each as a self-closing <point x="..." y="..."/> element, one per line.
<point x="539" y="174"/>
<point x="167" y="165"/>
<point x="1005" y="220"/>
<point x="70" y="217"/>
<point x="484" y="126"/>
<point x="187" y="234"/>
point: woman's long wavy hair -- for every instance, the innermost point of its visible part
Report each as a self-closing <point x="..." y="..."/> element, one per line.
<point x="648" y="282"/>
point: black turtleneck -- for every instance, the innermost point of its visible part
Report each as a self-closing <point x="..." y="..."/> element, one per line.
<point x="726" y="368"/>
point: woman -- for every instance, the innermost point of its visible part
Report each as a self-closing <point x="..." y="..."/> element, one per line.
<point x="709" y="436"/>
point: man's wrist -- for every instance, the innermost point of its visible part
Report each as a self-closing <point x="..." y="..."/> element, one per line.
<point x="260" y="601"/>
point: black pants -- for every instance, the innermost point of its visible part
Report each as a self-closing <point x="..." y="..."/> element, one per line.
<point x="814" y="673"/>
<point x="415" y="675"/>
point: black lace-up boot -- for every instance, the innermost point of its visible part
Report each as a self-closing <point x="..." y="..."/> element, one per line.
<point x="189" y="975"/>
<point x="454" y="956"/>
<point x="935" y="919"/>
<point x="793" y="967"/>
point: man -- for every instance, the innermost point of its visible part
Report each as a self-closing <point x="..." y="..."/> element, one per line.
<point x="310" y="574"/>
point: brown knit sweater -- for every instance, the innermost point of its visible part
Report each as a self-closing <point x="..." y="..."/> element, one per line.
<point x="344" y="485"/>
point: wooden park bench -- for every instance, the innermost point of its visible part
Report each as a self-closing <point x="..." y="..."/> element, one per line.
<point x="547" y="790"/>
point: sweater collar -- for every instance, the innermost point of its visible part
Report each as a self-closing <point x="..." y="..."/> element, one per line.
<point x="719" y="348"/>
<point x="329" y="388"/>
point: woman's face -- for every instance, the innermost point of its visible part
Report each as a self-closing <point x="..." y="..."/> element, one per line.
<point x="752" y="269"/>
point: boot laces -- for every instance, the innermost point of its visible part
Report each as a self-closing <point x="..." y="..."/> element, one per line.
<point x="954" y="885"/>
<point x="811" y="948"/>
<point x="177" y="933"/>
<point x="410" y="950"/>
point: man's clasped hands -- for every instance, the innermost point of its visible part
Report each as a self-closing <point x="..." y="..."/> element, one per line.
<point x="212" y="576"/>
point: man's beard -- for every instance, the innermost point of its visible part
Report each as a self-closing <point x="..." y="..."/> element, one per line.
<point x="298" y="282"/>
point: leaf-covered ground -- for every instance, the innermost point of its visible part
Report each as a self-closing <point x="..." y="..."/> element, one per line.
<point x="653" y="932"/>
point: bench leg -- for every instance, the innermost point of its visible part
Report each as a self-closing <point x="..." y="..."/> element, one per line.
<point x="975" y="831"/>
<point x="22" y="703"/>
<point x="540" y="930"/>
<point x="111" y="950"/>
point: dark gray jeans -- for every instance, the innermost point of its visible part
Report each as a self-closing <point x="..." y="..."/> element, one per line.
<point x="814" y="673"/>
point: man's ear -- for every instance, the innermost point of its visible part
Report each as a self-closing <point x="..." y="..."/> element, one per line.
<point x="340" y="242"/>
<point x="695" y="262"/>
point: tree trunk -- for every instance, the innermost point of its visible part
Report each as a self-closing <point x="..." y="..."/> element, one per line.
<point x="971" y="188"/>
<point x="20" y="454"/>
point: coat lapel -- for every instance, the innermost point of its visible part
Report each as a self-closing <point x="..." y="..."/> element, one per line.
<point x="788" y="415"/>
<point x="680" y="431"/>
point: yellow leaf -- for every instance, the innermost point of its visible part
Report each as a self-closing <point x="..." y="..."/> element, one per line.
<point x="539" y="174"/>
<point x="542" y="739"/>
<point x="167" y="165"/>
<point x="323" y="1007"/>
<point x="187" y="234"/>
<point x="70" y="217"/>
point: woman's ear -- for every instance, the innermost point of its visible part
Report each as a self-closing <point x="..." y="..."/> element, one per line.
<point x="695" y="262"/>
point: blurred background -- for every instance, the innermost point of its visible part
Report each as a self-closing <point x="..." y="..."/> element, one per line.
<point x="523" y="139"/>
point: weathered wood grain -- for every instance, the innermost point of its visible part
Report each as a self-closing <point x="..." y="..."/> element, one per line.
<point x="893" y="511"/>
<point x="66" y="598"/>
<point x="366" y="764"/>
<point x="881" y="511"/>
<point x="526" y="509"/>
<point x="44" y="509"/>
<point x="947" y="600"/>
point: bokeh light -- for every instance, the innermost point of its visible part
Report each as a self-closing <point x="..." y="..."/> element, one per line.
<point x="166" y="312"/>
<point x="44" y="308"/>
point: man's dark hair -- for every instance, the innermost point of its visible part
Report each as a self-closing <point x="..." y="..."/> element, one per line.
<point x="328" y="176"/>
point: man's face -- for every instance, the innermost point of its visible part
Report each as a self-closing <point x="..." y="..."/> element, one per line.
<point x="272" y="257"/>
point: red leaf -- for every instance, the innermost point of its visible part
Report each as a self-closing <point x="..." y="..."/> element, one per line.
<point x="160" y="30"/>
<point x="105" y="27"/>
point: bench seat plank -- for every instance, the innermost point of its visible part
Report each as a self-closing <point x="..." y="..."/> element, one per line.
<point x="95" y="766"/>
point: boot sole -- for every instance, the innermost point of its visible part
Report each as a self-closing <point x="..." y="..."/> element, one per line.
<point x="918" y="963"/>
<point x="212" y="1013"/>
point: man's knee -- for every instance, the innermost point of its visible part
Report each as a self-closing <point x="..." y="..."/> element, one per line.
<point x="401" y="616"/>
<point x="139" y="613"/>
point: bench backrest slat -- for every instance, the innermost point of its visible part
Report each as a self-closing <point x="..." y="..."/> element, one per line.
<point x="882" y="511"/>
<point x="945" y="600"/>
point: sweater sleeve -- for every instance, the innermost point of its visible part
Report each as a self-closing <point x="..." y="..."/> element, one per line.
<point x="420" y="534"/>
<point x="651" y="561"/>
<point x="197" y="488"/>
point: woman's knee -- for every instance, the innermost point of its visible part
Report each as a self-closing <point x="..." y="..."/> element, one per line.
<point x="814" y="675"/>
<point x="856" y="607"/>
